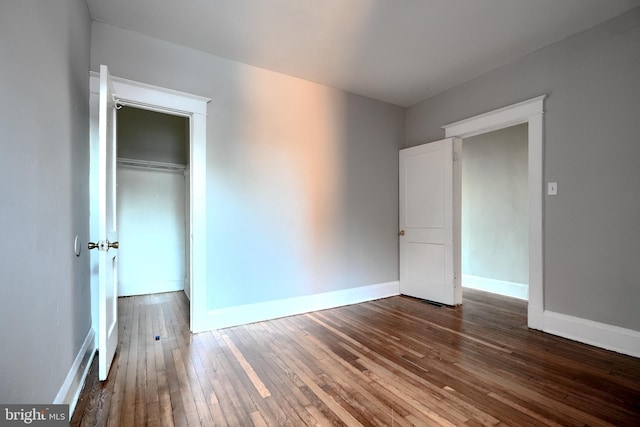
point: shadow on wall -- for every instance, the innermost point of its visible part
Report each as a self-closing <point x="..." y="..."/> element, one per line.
<point x="304" y="189"/>
<point x="278" y="193"/>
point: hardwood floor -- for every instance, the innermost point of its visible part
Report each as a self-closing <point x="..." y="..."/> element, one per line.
<point x="392" y="362"/>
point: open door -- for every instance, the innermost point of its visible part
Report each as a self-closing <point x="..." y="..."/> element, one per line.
<point x="107" y="244"/>
<point x="427" y="230"/>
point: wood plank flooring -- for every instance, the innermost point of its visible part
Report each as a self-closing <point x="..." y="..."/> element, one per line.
<point x="391" y="362"/>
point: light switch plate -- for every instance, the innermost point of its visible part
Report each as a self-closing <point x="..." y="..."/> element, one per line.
<point x="552" y="188"/>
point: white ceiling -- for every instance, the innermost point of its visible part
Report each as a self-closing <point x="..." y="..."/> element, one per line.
<point x="399" y="51"/>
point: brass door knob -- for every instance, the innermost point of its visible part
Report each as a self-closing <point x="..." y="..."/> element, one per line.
<point x="114" y="245"/>
<point x="92" y="245"/>
<point x="401" y="233"/>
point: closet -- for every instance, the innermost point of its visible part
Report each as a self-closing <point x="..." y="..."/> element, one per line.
<point x="152" y="202"/>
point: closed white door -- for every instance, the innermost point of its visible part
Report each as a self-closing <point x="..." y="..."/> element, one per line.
<point x="107" y="244"/>
<point x="427" y="264"/>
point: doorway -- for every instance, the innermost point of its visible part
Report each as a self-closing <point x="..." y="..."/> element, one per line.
<point x="495" y="217"/>
<point x="531" y="112"/>
<point x="152" y="202"/>
<point x="194" y="109"/>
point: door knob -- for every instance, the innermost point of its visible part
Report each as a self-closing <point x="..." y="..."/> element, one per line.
<point x="401" y="233"/>
<point x="103" y="245"/>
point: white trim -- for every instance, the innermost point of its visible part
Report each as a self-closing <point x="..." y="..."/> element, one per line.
<point x="149" y="97"/>
<point x="258" y="312"/>
<point x="496" y="119"/>
<point x="72" y="386"/>
<point x="194" y="107"/>
<point x="457" y="220"/>
<point x="502" y="287"/>
<point x="186" y="290"/>
<point x="146" y="288"/>
<point x="536" y="220"/>
<point x="198" y="214"/>
<point x="531" y="112"/>
<point x="621" y="340"/>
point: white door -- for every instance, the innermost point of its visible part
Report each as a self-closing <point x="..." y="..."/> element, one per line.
<point x="107" y="244"/>
<point x="427" y="264"/>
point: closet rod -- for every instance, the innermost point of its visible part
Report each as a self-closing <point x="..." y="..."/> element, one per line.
<point x="119" y="103"/>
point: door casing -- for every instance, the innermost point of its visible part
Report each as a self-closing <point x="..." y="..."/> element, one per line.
<point x="530" y="111"/>
<point x="194" y="107"/>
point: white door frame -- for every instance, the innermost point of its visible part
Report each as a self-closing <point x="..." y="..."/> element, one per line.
<point x="530" y="111"/>
<point x="154" y="98"/>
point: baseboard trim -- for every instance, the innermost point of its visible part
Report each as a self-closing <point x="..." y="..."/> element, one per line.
<point x="609" y="337"/>
<point x="502" y="287"/>
<point x="127" y="289"/>
<point x="250" y="313"/>
<point x="70" y="390"/>
<point x="187" y="289"/>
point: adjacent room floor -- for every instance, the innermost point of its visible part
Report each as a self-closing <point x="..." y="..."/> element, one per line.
<point x="391" y="362"/>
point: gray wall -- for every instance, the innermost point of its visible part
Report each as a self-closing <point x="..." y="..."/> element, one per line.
<point x="495" y="205"/>
<point x="148" y="135"/>
<point x="302" y="191"/>
<point x="151" y="217"/>
<point x="591" y="229"/>
<point x="44" y="196"/>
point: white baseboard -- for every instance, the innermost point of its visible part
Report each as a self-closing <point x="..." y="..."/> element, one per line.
<point x="126" y="289"/>
<point x="70" y="390"/>
<point x="609" y="337"/>
<point x="250" y="313"/>
<point x="187" y="289"/>
<point x="502" y="287"/>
